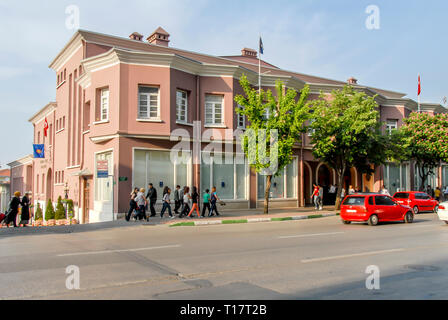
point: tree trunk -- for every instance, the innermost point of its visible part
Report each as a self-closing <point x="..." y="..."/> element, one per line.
<point x="266" y="194"/>
<point x="423" y="177"/>
<point x="337" y="205"/>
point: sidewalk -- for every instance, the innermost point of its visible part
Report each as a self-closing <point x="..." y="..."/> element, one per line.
<point x="254" y="215"/>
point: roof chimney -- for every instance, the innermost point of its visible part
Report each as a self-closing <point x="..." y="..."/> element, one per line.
<point x="136" y="36"/>
<point x="247" y="52"/>
<point x="352" y="81"/>
<point x="159" y="37"/>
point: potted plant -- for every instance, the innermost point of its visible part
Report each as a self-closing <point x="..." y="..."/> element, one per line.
<point x="49" y="214"/>
<point x="60" y="213"/>
<point x="38" y="217"/>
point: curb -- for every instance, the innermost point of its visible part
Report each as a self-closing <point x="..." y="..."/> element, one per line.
<point x="251" y="220"/>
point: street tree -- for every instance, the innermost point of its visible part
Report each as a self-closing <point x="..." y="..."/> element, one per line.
<point x="346" y="133"/>
<point x="275" y="125"/>
<point x="426" y="138"/>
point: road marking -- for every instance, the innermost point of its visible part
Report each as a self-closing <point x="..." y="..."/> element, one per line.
<point x="310" y="235"/>
<point x="115" y="251"/>
<point x="351" y="255"/>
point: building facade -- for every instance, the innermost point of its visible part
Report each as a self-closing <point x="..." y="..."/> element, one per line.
<point x="5" y="194"/>
<point x="122" y="104"/>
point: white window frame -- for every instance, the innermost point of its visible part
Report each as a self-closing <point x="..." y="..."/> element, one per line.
<point x="391" y="126"/>
<point x="213" y="110"/>
<point x="180" y="106"/>
<point x="104" y="104"/>
<point x="148" y="99"/>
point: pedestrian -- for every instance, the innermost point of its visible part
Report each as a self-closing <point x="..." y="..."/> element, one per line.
<point x="213" y="200"/>
<point x="25" y="214"/>
<point x="430" y="191"/>
<point x="321" y="197"/>
<point x="343" y="193"/>
<point x="11" y="216"/>
<point x="141" y="203"/>
<point x="166" y="202"/>
<point x="186" y="202"/>
<point x="445" y="193"/>
<point x="384" y="191"/>
<point x="206" y="202"/>
<point x="177" y="199"/>
<point x="152" y="196"/>
<point x="315" y="196"/>
<point x="437" y="193"/>
<point x="351" y="190"/>
<point x="132" y="205"/>
<point x="194" y="200"/>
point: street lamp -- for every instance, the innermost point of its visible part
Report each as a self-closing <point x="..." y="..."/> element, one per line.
<point x="66" y="190"/>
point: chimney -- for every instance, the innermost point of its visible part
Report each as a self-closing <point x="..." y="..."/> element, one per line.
<point x="352" y="81"/>
<point x="159" y="37"/>
<point x="247" y="52"/>
<point x="136" y="36"/>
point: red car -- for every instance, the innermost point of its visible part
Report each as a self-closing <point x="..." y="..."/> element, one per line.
<point x="418" y="201"/>
<point x="374" y="208"/>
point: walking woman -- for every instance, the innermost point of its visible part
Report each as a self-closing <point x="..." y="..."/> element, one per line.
<point x="132" y="205"/>
<point x="206" y="202"/>
<point x="195" y="200"/>
<point x="141" y="203"/>
<point x="13" y="210"/>
<point x="25" y="214"/>
<point x="213" y="200"/>
<point x="186" y="207"/>
<point x="166" y="202"/>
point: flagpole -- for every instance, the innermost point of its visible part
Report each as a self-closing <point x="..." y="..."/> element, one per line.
<point x="419" y="91"/>
<point x="259" y="68"/>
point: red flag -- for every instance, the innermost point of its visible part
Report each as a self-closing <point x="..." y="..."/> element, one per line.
<point x="45" y="127"/>
<point x="419" y="86"/>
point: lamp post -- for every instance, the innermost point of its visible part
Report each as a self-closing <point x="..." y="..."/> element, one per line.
<point x="66" y="190"/>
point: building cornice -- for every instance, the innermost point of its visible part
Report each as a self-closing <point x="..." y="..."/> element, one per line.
<point x="22" y="161"/>
<point x="73" y="45"/>
<point x="42" y="113"/>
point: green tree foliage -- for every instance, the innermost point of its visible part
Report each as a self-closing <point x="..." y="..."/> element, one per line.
<point x="347" y="133"/>
<point x="286" y="116"/>
<point x="49" y="211"/>
<point x="60" y="211"/>
<point x="38" y="214"/>
<point x="70" y="209"/>
<point x="426" y="140"/>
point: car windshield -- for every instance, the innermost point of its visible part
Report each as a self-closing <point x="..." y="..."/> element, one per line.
<point x="402" y="195"/>
<point x="354" y="201"/>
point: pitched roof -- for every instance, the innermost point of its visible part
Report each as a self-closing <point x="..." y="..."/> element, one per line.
<point x="161" y="31"/>
<point x="126" y="43"/>
<point x="5" y="173"/>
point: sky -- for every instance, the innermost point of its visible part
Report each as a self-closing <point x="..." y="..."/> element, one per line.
<point x="327" y="38"/>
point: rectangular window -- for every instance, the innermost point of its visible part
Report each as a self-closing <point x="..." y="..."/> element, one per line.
<point x="156" y="167"/>
<point x="104" y="104"/>
<point x="391" y="125"/>
<point x="103" y="186"/>
<point x="213" y="109"/>
<point x="283" y="186"/>
<point x="148" y="103"/>
<point x="241" y="120"/>
<point x="227" y="174"/>
<point x="181" y="106"/>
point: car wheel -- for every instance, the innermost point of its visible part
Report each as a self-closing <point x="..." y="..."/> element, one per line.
<point x="415" y="209"/>
<point x="373" y="220"/>
<point x="346" y="222"/>
<point x="436" y="209"/>
<point x="409" y="217"/>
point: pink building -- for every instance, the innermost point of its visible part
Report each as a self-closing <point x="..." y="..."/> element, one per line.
<point x="119" y="99"/>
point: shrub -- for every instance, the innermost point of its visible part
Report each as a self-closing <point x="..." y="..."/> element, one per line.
<point x="70" y="209"/>
<point x="60" y="211"/>
<point x="49" y="211"/>
<point x="38" y="214"/>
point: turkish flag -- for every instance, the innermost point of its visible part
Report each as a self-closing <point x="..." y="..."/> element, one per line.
<point x="419" y="86"/>
<point x="45" y="127"/>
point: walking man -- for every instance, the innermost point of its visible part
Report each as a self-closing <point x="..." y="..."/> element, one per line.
<point x="177" y="199"/>
<point x="152" y="196"/>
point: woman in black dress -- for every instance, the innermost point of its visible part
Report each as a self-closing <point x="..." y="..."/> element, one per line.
<point x="25" y="215"/>
<point x="13" y="210"/>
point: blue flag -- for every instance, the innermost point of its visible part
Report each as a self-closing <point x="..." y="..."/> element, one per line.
<point x="261" y="46"/>
<point x="39" y="150"/>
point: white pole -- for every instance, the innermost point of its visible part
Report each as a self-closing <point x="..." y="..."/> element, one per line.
<point x="259" y="69"/>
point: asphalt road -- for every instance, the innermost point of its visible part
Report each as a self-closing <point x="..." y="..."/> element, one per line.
<point x="310" y="259"/>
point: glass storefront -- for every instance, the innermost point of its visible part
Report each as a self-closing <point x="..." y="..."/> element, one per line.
<point x="431" y="180"/>
<point x="226" y="174"/>
<point x="103" y="186"/>
<point x="156" y="167"/>
<point x="283" y="186"/>
<point x="396" y="177"/>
